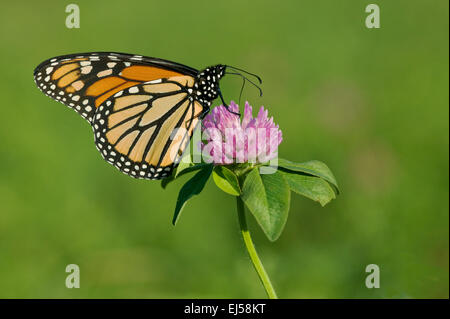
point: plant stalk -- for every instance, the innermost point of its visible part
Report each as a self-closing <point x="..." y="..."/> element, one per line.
<point x="252" y="251"/>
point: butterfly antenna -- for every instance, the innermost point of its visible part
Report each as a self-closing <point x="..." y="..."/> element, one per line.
<point x="246" y="79"/>
<point x="249" y="73"/>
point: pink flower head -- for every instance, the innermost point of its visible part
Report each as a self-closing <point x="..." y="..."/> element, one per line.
<point x="227" y="139"/>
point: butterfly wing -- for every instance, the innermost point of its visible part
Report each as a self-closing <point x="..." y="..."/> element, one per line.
<point x="143" y="130"/>
<point x="84" y="81"/>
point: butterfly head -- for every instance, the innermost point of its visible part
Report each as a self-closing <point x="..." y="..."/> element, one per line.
<point x="207" y="83"/>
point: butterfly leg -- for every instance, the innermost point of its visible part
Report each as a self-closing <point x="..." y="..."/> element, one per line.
<point x="203" y="112"/>
<point x="226" y="105"/>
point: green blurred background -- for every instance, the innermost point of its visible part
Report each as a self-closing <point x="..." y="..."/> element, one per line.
<point x="371" y="103"/>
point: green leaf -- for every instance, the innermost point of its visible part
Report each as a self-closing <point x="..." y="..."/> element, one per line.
<point x="267" y="197"/>
<point x="226" y="180"/>
<point x="185" y="163"/>
<point x="179" y="172"/>
<point x="315" y="168"/>
<point x="194" y="186"/>
<point x="312" y="187"/>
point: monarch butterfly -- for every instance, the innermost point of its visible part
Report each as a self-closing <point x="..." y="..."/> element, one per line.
<point x="142" y="110"/>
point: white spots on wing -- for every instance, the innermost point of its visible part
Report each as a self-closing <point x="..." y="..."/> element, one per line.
<point x="133" y="89"/>
<point x="85" y="101"/>
<point x="85" y="63"/>
<point x="88" y="108"/>
<point x="48" y="70"/>
<point x="111" y="64"/>
<point x="108" y="103"/>
<point x="75" y="97"/>
<point x="118" y="94"/>
<point x="127" y="63"/>
<point x="86" y="69"/>
<point x="154" y="81"/>
<point x="52" y="87"/>
<point x="47" y="78"/>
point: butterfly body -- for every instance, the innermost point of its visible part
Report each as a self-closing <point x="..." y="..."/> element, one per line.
<point x="142" y="110"/>
<point x="207" y="84"/>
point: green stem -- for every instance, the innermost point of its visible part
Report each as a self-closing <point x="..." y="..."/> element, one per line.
<point x="252" y="251"/>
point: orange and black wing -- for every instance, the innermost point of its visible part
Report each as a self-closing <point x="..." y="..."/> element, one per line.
<point x="84" y="81"/>
<point x="144" y="129"/>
